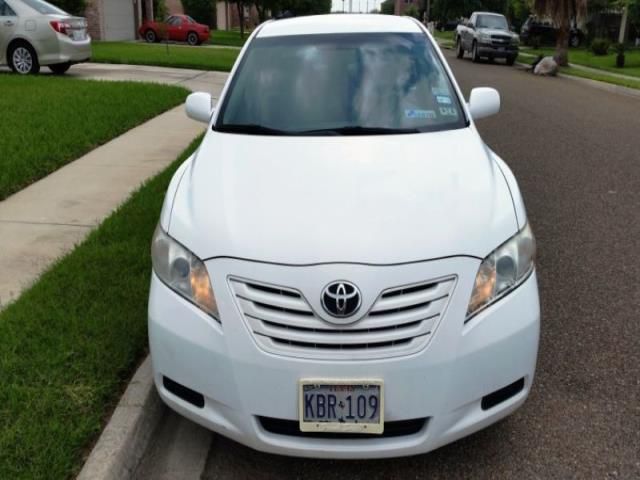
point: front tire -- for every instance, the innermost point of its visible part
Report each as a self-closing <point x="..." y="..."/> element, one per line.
<point x="23" y="59"/>
<point x="475" y="56"/>
<point x="511" y="61"/>
<point x="192" y="39"/>
<point x="150" y="36"/>
<point x="459" y="49"/>
<point x="59" y="68"/>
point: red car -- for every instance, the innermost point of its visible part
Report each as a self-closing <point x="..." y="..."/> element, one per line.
<point x="178" y="28"/>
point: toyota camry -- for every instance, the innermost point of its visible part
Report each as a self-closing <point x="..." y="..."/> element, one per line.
<point x="343" y="269"/>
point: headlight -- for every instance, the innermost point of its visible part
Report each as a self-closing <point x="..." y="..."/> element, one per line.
<point x="182" y="271"/>
<point x="503" y="270"/>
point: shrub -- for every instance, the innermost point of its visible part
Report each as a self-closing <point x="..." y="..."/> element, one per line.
<point x="74" y="7"/>
<point x="202" y="11"/>
<point x="160" y="10"/>
<point x="600" y="46"/>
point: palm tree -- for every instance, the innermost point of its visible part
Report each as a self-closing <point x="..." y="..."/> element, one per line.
<point x="561" y="12"/>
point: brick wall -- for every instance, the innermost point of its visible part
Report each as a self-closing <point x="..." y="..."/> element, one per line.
<point x="174" y="7"/>
<point x="402" y="5"/>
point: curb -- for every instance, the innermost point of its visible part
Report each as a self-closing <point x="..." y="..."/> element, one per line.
<point x="129" y="431"/>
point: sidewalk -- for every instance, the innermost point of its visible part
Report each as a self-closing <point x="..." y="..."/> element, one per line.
<point x="47" y="219"/>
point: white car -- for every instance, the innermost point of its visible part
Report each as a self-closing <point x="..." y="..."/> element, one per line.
<point x="343" y="269"/>
<point x="34" y="33"/>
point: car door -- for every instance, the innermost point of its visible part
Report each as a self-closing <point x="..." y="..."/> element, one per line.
<point x="8" y="25"/>
<point x="469" y="32"/>
<point x="176" y="29"/>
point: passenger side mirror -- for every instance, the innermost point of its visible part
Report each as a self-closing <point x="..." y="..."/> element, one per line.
<point x="484" y="102"/>
<point x="199" y="107"/>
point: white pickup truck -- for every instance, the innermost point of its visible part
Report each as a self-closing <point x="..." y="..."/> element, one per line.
<point x="487" y="35"/>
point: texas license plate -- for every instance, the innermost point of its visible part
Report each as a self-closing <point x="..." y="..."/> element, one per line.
<point x="341" y="406"/>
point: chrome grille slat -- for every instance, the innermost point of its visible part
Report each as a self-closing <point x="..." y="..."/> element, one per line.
<point x="439" y="290"/>
<point x="343" y="338"/>
<point x="400" y="321"/>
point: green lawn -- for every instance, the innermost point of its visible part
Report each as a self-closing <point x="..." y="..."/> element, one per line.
<point x="179" y="56"/>
<point x="602" y="77"/>
<point x="70" y="343"/>
<point x="447" y="37"/>
<point x="580" y="56"/>
<point x="49" y="121"/>
<point x="230" y="38"/>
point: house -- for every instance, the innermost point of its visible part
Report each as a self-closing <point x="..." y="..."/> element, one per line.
<point x="227" y="17"/>
<point x="402" y="5"/>
<point x="117" y="19"/>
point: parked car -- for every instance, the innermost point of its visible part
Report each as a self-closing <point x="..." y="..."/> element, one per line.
<point x="343" y="269"/>
<point x="487" y="35"/>
<point x="34" y="33"/>
<point x="543" y="32"/>
<point x="177" y="28"/>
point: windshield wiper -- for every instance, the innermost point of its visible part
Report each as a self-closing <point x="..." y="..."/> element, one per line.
<point x="251" y="129"/>
<point x="359" y="130"/>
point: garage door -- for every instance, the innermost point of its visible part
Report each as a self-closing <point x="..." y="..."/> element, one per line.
<point x="118" y="20"/>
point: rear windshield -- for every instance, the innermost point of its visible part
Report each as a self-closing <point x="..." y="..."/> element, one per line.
<point x="43" y="7"/>
<point x="340" y="84"/>
<point x="492" y="21"/>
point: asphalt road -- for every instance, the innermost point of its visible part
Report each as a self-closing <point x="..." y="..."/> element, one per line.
<point x="576" y="153"/>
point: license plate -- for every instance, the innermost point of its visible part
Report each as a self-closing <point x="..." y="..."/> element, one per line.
<point x="78" y="34"/>
<point x="341" y="406"/>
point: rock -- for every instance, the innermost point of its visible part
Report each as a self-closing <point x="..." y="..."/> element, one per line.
<point x="546" y="66"/>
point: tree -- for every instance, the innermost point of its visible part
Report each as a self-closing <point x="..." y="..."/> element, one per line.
<point x="305" y="7"/>
<point x="265" y="6"/>
<point x="412" y="11"/>
<point x="387" y="7"/>
<point x="561" y="13"/>
<point x="241" y="5"/>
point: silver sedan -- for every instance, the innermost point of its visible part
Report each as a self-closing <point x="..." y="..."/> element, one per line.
<point x="34" y="33"/>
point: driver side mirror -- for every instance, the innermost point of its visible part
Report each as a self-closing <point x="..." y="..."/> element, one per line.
<point x="199" y="107"/>
<point x="484" y="102"/>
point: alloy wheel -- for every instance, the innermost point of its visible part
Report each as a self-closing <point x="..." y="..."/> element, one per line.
<point x="22" y="60"/>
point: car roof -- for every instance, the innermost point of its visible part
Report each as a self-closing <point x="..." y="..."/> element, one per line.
<point x="489" y="13"/>
<point x="339" y="23"/>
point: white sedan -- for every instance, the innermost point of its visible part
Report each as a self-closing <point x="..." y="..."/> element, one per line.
<point x="343" y="269"/>
<point x="34" y="33"/>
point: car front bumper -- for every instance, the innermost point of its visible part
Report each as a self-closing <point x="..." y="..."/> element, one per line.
<point x="502" y="51"/>
<point x="444" y="383"/>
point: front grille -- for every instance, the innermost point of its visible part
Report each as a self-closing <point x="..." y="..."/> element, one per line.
<point x="400" y="321"/>
<point x="500" y="40"/>
<point x="291" y="428"/>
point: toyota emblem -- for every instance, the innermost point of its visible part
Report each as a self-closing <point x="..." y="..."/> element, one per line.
<point x="341" y="299"/>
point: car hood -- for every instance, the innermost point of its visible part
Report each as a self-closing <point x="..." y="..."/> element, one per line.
<point x="362" y="199"/>
<point x="495" y="31"/>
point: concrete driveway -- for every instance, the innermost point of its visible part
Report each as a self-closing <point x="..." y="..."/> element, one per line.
<point x="574" y="149"/>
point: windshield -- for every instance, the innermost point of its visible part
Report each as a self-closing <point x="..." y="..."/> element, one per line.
<point x="341" y="84"/>
<point x="44" y="7"/>
<point x="492" y="21"/>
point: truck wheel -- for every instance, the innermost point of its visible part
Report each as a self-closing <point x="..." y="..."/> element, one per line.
<point x="511" y="60"/>
<point x="459" y="49"/>
<point x="23" y="59"/>
<point x="475" y="57"/>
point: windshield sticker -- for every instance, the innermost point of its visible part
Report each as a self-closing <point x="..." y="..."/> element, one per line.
<point x="443" y="99"/>
<point x="448" y="112"/>
<point x="440" y="91"/>
<point x="419" y="114"/>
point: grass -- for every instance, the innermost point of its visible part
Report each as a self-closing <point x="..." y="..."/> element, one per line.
<point x="601" y="77"/>
<point x="71" y="341"/>
<point x="50" y="121"/>
<point x="178" y="56"/>
<point x="229" y="38"/>
<point x="447" y="37"/>
<point x="607" y="63"/>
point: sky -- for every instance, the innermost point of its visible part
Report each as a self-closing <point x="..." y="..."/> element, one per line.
<point x="358" y="5"/>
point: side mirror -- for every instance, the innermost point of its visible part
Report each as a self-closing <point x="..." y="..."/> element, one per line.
<point x="199" y="107"/>
<point x="484" y="102"/>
